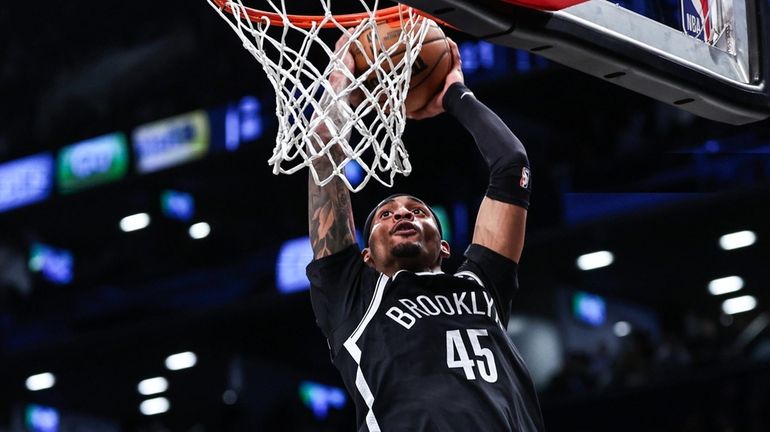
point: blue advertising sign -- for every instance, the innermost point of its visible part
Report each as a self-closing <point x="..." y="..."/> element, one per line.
<point x="243" y="122"/>
<point x="172" y="141"/>
<point x="25" y="181"/>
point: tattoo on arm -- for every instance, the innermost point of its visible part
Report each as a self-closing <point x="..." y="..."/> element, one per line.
<point x="330" y="214"/>
<point x="330" y="217"/>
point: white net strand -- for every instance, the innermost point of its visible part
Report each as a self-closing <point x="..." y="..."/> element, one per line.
<point x="370" y="133"/>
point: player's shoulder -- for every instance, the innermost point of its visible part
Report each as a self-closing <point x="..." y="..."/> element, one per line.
<point x="470" y="276"/>
<point x="487" y="265"/>
<point x="349" y="255"/>
<point x="483" y="255"/>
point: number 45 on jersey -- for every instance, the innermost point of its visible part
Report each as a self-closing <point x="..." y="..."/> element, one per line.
<point x="457" y="355"/>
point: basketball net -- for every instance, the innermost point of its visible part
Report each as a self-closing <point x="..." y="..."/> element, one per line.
<point x="368" y="134"/>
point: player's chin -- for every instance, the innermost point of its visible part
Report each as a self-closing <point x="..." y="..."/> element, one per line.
<point x="406" y="249"/>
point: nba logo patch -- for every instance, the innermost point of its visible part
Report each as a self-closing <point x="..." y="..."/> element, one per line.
<point x="524" y="182"/>
<point x="696" y="19"/>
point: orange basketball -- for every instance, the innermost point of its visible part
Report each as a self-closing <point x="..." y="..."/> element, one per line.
<point x="429" y="70"/>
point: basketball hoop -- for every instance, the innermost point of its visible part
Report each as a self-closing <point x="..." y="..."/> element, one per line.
<point x="368" y="134"/>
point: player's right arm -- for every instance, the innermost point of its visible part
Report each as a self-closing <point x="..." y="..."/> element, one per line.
<point x="501" y="221"/>
<point x="330" y="215"/>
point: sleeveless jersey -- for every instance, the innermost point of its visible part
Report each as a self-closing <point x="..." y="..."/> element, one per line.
<point x="426" y="351"/>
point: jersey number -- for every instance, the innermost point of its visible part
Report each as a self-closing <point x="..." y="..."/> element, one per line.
<point x="457" y="355"/>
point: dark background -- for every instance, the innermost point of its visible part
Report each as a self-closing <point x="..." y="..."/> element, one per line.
<point x="612" y="170"/>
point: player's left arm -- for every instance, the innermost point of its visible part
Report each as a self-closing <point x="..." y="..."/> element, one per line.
<point x="500" y="226"/>
<point x="501" y="221"/>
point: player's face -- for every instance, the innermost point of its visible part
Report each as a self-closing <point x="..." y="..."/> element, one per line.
<point x="405" y="233"/>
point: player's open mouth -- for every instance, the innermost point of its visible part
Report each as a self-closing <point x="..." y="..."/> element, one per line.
<point x="404" y="228"/>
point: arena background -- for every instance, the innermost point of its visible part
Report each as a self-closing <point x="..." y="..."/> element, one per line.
<point x="640" y="344"/>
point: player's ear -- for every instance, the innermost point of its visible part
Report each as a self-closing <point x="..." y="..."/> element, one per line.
<point x="445" y="249"/>
<point x="366" y="255"/>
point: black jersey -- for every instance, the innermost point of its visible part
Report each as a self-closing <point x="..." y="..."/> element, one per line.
<point x="426" y="351"/>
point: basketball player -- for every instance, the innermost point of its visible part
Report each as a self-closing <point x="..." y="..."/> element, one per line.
<point x="420" y="350"/>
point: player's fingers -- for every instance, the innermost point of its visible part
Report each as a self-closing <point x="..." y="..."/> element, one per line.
<point x="356" y="97"/>
<point x="349" y="63"/>
<point x="343" y="40"/>
<point x="457" y="61"/>
<point x="436" y="105"/>
<point x="453" y="50"/>
<point x="340" y="43"/>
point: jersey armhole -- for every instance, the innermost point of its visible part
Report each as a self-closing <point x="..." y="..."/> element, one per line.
<point x="472" y="275"/>
<point x="374" y="306"/>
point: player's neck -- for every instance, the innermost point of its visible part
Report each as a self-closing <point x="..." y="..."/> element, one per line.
<point x="390" y="271"/>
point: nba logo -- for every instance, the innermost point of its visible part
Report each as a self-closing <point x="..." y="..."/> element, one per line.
<point x="696" y="19"/>
<point x="524" y="182"/>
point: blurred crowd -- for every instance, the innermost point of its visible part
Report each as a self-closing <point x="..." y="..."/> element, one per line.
<point x="708" y="376"/>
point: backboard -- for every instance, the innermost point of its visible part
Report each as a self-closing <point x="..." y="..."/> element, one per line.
<point x="709" y="57"/>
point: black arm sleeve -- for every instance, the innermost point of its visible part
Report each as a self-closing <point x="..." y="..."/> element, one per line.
<point x="509" y="178"/>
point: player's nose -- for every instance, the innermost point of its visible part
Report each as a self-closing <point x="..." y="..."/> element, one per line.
<point x="403" y="213"/>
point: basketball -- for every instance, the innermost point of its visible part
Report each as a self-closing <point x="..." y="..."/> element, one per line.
<point x="429" y="70"/>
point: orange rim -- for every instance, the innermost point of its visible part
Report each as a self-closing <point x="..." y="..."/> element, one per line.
<point x="390" y="14"/>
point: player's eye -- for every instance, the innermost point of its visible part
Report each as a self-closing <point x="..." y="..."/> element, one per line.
<point x="385" y="214"/>
<point x="418" y="211"/>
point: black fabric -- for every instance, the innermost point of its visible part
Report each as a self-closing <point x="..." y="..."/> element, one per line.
<point x="405" y="344"/>
<point x="509" y="173"/>
<point x="334" y="305"/>
<point x="501" y="272"/>
<point x="370" y="218"/>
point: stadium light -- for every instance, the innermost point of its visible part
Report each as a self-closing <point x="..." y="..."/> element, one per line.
<point x="737" y="240"/>
<point x="739" y="304"/>
<point x="152" y="386"/>
<point x="182" y="360"/>
<point x="199" y="230"/>
<point x="154" y="406"/>
<point x="595" y="260"/>
<point x="622" y="329"/>
<point x="229" y="397"/>
<point x="725" y="285"/>
<point x="134" y="222"/>
<point x="40" y="381"/>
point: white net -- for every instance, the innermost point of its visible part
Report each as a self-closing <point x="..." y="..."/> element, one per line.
<point x="299" y="63"/>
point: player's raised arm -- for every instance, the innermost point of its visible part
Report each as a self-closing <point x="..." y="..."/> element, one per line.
<point x="330" y="215"/>
<point x="501" y="221"/>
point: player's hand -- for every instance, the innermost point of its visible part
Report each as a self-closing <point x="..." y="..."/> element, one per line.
<point x="339" y="79"/>
<point x="436" y="105"/>
<point x="336" y="91"/>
